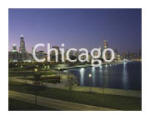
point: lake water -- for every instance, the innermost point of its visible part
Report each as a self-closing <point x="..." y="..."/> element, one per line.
<point x="120" y="76"/>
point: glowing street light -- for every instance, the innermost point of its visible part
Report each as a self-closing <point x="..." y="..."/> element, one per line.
<point x="35" y="69"/>
<point x="90" y="75"/>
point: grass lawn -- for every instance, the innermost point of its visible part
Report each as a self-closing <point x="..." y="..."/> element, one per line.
<point x="49" y="79"/>
<point x="111" y="101"/>
<point x="15" y="105"/>
<point x="29" y="73"/>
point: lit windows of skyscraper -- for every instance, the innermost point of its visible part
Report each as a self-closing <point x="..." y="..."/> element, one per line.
<point x="13" y="54"/>
<point x="22" y="49"/>
<point x="105" y="44"/>
<point x="22" y="44"/>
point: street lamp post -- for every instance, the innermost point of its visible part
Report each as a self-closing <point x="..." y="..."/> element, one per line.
<point x="35" y="70"/>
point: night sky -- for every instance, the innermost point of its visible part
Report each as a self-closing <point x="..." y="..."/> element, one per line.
<point x="77" y="28"/>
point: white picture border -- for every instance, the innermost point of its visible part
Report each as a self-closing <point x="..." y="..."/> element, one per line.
<point x="5" y="5"/>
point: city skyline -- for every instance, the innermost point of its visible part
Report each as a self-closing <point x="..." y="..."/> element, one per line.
<point x="75" y="59"/>
<point x="120" y="27"/>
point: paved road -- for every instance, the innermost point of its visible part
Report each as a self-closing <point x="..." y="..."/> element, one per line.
<point x="54" y="103"/>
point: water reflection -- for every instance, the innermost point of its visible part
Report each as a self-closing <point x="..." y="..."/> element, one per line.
<point x="101" y="76"/>
<point x="120" y="76"/>
<point x="93" y="76"/>
<point x="125" y="76"/>
<point x="82" y="71"/>
<point x="105" y="76"/>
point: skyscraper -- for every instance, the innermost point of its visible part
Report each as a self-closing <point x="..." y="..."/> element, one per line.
<point x="13" y="54"/>
<point x="22" y="45"/>
<point x="22" y="49"/>
<point x="105" y="44"/>
<point x="14" y="48"/>
<point x="108" y="54"/>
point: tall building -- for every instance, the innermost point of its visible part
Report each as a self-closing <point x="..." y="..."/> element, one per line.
<point x="108" y="54"/>
<point x="22" y="49"/>
<point x="13" y="54"/>
<point x="105" y="44"/>
<point x="22" y="44"/>
<point x="14" y="48"/>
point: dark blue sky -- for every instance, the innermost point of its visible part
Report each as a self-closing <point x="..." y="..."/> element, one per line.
<point x="79" y="28"/>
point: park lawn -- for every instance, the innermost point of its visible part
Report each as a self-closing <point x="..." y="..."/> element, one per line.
<point x="110" y="101"/>
<point x="49" y="79"/>
<point x="16" y="105"/>
<point x="29" y="73"/>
